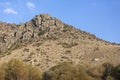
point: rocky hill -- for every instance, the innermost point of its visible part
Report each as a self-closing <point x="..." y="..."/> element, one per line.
<point x="45" y="41"/>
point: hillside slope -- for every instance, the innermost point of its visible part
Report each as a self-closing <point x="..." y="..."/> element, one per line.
<point x="45" y="41"/>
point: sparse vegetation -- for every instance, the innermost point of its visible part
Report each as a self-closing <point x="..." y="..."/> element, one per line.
<point x="68" y="45"/>
<point x="38" y="49"/>
<point x="31" y="54"/>
<point x="68" y="52"/>
<point x="41" y="32"/>
<point x="25" y="50"/>
<point x="38" y="44"/>
<point x="67" y="28"/>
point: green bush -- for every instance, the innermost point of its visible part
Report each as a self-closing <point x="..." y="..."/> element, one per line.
<point x="66" y="71"/>
<point x="116" y="72"/>
<point x="111" y="72"/>
<point x="108" y="70"/>
<point x="18" y="70"/>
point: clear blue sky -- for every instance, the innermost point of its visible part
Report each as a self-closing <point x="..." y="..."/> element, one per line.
<point x="99" y="17"/>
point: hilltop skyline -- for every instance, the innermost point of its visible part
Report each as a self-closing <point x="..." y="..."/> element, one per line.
<point x="97" y="17"/>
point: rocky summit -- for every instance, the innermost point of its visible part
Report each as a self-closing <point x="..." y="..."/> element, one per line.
<point x="41" y="26"/>
<point x="45" y="41"/>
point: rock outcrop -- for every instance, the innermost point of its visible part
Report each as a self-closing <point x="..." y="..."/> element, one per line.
<point x="41" y="27"/>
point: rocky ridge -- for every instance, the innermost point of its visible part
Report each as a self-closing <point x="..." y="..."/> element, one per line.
<point x="40" y="27"/>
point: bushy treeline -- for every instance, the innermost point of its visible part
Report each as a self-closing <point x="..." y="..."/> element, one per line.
<point x="18" y="70"/>
<point x="67" y="71"/>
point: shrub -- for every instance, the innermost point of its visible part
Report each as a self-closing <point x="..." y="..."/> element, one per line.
<point x="111" y="72"/>
<point x="18" y="70"/>
<point x="108" y="70"/>
<point x="116" y="72"/>
<point x="66" y="71"/>
<point x="96" y="71"/>
<point x="34" y="73"/>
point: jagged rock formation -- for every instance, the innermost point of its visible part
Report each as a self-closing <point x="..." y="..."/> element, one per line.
<point x="45" y="41"/>
<point x="40" y="27"/>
